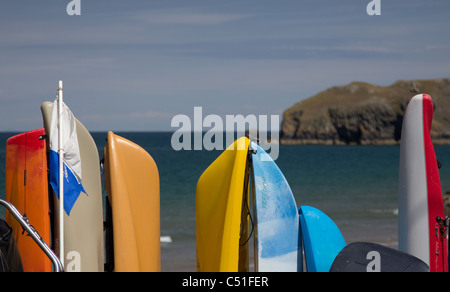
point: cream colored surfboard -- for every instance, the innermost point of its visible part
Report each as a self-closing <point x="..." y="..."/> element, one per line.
<point x="83" y="235"/>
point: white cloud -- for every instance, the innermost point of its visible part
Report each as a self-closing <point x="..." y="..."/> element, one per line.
<point x="187" y="17"/>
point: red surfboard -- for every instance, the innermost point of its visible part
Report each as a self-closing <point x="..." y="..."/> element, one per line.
<point x="422" y="232"/>
<point x="26" y="187"/>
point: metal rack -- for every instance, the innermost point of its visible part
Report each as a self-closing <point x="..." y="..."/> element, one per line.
<point x="57" y="265"/>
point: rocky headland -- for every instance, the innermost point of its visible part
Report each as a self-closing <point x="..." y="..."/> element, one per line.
<point x="362" y="113"/>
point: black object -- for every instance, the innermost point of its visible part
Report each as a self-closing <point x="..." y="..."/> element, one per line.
<point x="372" y="257"/>
<point x="109" y="238"/>
<point x="10" y="260"/>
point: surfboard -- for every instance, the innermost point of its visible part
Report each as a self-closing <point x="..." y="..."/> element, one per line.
<point x="277" y="219"/>
<point x="421" y="234"/>
<point x="132" y="183"/>
<point x="322" y="239"/>
<point x="26" y="186"/>
<point x="83" y="237"/>
<point x="219" y="200"/>
<point x="372" y="257"/>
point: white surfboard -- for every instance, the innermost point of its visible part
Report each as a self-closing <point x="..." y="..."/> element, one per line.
<point x="420" y="194"/>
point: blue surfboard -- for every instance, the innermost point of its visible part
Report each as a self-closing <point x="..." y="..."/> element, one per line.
<point x="322" y="239"/>
<point x="277" y="219"/>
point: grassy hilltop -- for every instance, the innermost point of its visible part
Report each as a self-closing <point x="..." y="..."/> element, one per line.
<point x="362" y="113"/>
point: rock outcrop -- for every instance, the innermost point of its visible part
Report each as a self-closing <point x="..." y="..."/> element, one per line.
<point x="362" y="113"/>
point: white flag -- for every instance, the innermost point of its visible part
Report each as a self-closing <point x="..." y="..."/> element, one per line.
<point x="72" y="158"/>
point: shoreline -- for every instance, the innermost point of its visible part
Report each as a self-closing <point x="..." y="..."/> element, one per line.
<point x="333" y="142"/>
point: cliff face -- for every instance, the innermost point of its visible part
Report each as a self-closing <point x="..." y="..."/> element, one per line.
<point x="361" y="113"/>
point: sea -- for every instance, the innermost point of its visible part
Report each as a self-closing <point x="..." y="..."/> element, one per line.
<point x="356" y="186"/>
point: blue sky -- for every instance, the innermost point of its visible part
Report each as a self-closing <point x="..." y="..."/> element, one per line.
<point x="133" y="65"/>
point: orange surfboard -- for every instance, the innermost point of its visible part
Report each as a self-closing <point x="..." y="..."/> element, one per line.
<point x="132" y="183"/>
<point x="26" y="187"/>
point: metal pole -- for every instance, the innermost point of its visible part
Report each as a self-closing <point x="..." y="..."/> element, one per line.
<point x="61" y="172"/>
<point x="57" y="265"/>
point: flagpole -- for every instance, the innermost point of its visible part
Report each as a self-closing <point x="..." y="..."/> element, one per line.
<point x="61" y="173"/>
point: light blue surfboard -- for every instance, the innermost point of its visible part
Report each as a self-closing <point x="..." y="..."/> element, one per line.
<point x="322" y="239"/>
<point x="277" y="219"/>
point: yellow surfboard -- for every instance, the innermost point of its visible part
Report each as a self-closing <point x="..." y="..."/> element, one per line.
<point x="221" y="190"/>
<point x="132" y="183"/>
